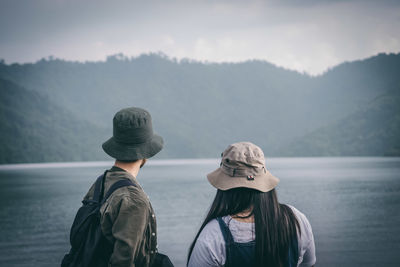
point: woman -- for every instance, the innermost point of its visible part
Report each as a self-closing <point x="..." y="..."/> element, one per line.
<point x="246" y="225"/>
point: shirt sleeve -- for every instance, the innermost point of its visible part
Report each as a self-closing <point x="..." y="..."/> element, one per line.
<point x="309" y="257"/>
<point x="209" y="250"/>
<point x="203" y="256"/>
<point x="128" y="231"/>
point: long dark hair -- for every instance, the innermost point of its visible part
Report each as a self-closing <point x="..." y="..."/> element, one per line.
<point x="276" y="226"/>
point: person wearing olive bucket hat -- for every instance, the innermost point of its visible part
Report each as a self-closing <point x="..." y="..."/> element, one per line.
<point x="128" y="234"/>
<point x="246" y="225"/>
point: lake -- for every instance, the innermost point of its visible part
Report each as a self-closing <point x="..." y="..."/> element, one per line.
<point x="353" y="205"/>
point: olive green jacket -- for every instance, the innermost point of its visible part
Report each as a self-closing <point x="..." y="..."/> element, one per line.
<point x="128" y="222"/>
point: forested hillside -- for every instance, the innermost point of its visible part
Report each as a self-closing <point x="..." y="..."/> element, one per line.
<point x="199" y="108"/>
<point x="372" y="130"/>
<point x="35" y="130"/>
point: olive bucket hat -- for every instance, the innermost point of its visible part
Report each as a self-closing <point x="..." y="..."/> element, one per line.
<point x="133" y="137"/>
<point x="243" y="165"/>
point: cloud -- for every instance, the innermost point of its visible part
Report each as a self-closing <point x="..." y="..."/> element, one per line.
<point x="304" y="35"/>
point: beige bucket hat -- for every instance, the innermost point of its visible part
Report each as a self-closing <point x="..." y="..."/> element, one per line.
<point x="243" y="165"/>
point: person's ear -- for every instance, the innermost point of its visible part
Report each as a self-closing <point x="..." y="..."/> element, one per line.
<point x="143" y="162"/>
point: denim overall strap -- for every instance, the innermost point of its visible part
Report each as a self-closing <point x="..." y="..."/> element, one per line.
<point x="293" y="254"/>
<point x="225" y="231"/>
<point x="237" y="254"/>
<point x="228" y="240"/>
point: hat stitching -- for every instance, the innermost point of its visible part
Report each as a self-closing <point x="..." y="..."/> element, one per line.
<point x="240" y="172"/>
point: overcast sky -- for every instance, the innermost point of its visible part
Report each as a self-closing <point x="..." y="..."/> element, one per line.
<point x="305" y="35"/>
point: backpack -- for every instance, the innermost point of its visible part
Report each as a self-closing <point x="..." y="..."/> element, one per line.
<point x="89" y="247"/>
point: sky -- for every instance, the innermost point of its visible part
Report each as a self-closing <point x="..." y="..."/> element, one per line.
<point x="305" y="35"/>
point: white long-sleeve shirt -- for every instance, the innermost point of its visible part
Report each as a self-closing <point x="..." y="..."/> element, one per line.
<point x="209" y="249"/>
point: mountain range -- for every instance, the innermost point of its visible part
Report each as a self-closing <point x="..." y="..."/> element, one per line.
<point x="56" y="110"/>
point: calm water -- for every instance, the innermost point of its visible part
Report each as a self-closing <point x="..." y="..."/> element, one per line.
<point x="353" y="205"/>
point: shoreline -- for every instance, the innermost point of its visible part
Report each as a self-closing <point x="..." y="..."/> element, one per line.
<point x="177" y="162"/>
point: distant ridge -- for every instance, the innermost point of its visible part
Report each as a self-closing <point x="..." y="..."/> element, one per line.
<point x="200" y="108"/>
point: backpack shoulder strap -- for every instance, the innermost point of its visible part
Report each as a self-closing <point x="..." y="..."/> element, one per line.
<point x="99" y="188"/>
<point x="115" y="186"/>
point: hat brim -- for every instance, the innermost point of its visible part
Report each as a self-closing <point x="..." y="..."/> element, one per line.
<point x="132" y="152"/>
<point x="264" y="182"/>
